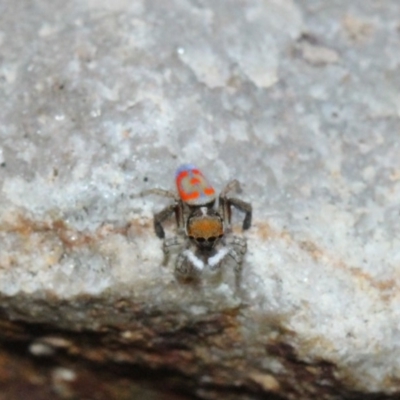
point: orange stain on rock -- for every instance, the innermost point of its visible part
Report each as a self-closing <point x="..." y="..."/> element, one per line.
<point x="69" y="237"/>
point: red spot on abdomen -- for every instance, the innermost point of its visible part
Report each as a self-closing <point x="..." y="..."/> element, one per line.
<point x="209" y="191"/>
<point x="195" y="181"/>
<point x="189" y="196"/>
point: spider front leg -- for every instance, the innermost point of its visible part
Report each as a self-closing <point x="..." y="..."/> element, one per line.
<point x="225" y="204"/>
<point x="237" y="250"/>
<point x="171" y="243"/>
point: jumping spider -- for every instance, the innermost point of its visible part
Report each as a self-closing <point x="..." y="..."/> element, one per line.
<point x="204" y="230"/>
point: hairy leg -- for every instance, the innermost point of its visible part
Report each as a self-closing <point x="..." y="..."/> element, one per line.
<point x="237" y="250"/>
<point x="163" y="215"/>
<point x="159" y="192"/>
<point x="171" y="243"/>
<point x="225" y="204"/>
<point x="175" y="208"/>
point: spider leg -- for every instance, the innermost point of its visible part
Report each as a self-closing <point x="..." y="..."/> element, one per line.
<point x="244" y="207"/>
<point x="237" y="250"/>
<point x="232" y="185"/>
<point x="159" y="192"/>
<point x="168" y="243"/>
<point x="225" y="204"/>
<point x="164" y="214"/>
<point x="176" y="207"/>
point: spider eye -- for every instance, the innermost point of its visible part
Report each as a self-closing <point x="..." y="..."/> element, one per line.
<point x="211" y="239"/>
<point x="201" y="240"/>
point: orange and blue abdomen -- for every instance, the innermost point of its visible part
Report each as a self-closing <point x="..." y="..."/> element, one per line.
<point x="193" y="187"/>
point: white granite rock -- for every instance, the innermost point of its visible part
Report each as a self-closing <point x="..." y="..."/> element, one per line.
<point x="298" y="101"/>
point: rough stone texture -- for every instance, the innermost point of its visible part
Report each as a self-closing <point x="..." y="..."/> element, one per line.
<point x="44" y="379"/>
<point x="298" y="100"/>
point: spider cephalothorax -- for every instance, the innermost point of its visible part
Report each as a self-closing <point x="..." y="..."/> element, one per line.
<point x="205" y="227"/>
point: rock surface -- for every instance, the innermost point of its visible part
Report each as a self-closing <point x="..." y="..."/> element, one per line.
<point x="299" y="101"/>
